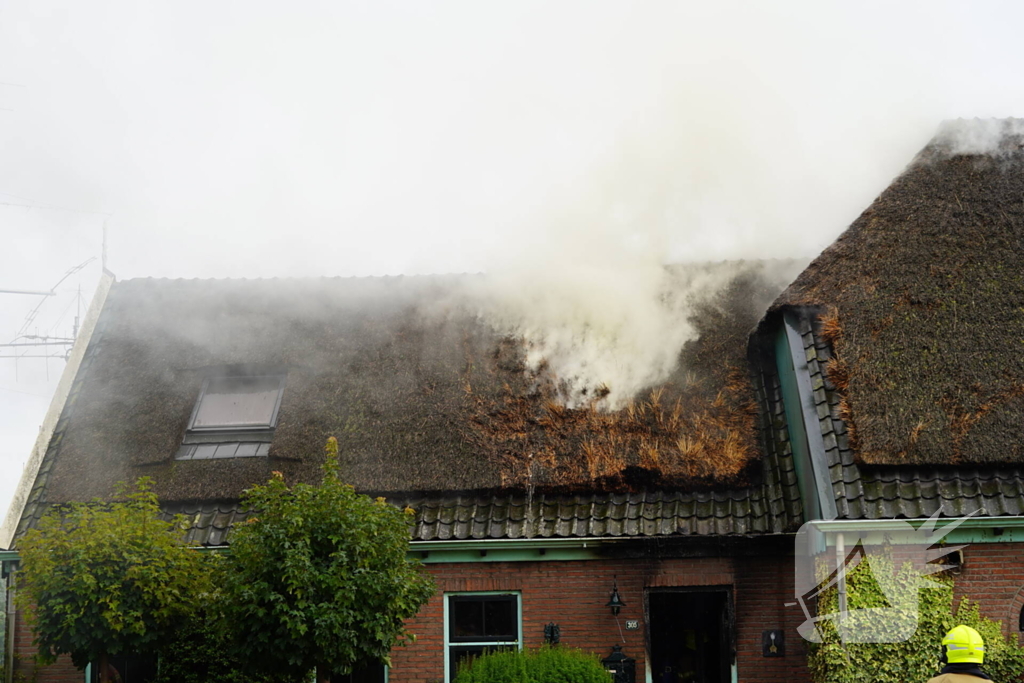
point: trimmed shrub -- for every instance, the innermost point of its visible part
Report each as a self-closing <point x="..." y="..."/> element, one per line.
<point x="546" y="665"/>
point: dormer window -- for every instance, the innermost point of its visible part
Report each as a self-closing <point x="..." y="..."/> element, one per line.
<point x="234" y="417"/>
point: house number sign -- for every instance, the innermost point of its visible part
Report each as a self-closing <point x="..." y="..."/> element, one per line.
<point x="632" y="625"/>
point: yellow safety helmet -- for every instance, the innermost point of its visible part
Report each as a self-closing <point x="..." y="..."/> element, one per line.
<point x="964" y="645"/>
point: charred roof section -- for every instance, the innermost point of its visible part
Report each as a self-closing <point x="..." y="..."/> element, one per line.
<point x="922" y="302"/>
<point x="421" y="393"/>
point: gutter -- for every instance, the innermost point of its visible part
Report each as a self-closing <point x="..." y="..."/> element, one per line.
<point x="842" y="525"/>
<point x="511" y="549"/>
<point x="517" y="543"/>
<point x="954" y="531"/>
<point x="60" y="397"/>
<point x="484" y="550"/>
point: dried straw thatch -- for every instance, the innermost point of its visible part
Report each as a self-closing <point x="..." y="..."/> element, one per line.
<point x="923" y="302"/>
<point x="421" y="397"/>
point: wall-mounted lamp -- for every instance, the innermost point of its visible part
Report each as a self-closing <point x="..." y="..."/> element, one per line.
<point x="552" y="633"/>
<point x="616" y="602"/>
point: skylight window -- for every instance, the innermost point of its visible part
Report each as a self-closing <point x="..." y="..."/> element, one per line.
<point x="238" y="403"/>
<point x="234" y="417"/>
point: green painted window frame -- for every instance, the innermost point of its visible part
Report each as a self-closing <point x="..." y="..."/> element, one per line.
<point x="448" y="644"/>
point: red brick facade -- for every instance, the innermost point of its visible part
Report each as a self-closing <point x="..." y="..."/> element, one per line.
<point x="63" y="671"/>
<point x="993" y="577"/>
<point x="573" y="595"/>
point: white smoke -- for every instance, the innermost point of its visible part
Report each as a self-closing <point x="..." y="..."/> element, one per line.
<point x="979" y="136"/>
<point x="615" y="323"/>
<point x="585" y="282"/>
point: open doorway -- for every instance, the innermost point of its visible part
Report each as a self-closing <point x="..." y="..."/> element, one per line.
<point x="690" y="635"/>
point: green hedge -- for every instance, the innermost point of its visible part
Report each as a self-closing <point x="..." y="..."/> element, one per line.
<point x="546" y="665"/>
<point x="916" y="659"/>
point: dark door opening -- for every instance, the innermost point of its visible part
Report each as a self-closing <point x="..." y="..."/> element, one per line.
<point x="690" y="636"/>
<point x="126" y="669"/>
<point x="368" y="673"/>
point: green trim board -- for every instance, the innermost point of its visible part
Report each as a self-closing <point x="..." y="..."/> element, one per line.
<point x="971" y="530"/>
<point x="509" y="550"/>
<point x="494" y="550"/>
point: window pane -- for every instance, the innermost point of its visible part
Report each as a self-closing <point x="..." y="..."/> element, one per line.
<point x="234" y="402"/>
<point x="226" y="450"/>
<point x="500" y="619"/>
<point x="480" y="618"/>
<point x="204" y="451"/>
<point x="467" y="619"/>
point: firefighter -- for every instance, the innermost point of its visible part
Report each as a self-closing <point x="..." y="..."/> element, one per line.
<point x="963" y="652"/>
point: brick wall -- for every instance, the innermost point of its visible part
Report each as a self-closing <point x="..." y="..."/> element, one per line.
<point x="573" y="595"/>
<point x="993" y="576"/>
<point x="62" y="671"/>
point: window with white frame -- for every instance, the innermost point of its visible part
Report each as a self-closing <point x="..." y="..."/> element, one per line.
<point x="480" y="622"/>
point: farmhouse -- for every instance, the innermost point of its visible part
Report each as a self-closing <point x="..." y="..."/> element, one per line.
<point x="886" y="382"/>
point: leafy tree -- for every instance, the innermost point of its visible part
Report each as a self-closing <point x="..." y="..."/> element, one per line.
<point x="546" y="665"/>
<point x="916" y="659"/>
<point x="319" y="579"/>
<point x="101" y="579"/>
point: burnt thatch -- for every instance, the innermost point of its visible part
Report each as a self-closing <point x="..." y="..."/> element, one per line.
<point x="421" y="394"/>
<point x="922" y="299"/>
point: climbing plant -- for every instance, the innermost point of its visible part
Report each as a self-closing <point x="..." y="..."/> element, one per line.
<point x="916" y="659"/>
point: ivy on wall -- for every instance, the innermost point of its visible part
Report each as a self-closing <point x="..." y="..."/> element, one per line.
<point x="916" y="659"/>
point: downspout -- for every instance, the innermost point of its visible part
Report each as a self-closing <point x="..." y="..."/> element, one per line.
<point x="841" y="576"/>
<point x="10" y="624"/>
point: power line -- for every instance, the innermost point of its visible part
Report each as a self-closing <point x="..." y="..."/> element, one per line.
<point x="35" y="311"/>
<point x="27" y="393"/>
<point x="55" y="208"/>
<point x="44" y="343"/>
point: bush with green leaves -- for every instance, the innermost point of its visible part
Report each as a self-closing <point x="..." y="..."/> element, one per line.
<point x="916" y="659"/>
<point x="319" y="579"/>
<point x="546" y="665"/>
<point x="201" y="650"/>
<point x="107" y="578"/>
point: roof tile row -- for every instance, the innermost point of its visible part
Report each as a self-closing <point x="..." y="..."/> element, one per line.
<point x="906" y="491"/>
<point x="514" y="516"/>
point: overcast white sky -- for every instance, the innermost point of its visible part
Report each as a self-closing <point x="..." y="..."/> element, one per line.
<point x="260" y="139"/>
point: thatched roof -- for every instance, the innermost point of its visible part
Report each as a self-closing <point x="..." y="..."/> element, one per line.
<point x="422" y="394"/>
<point x="923" y="301"/>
